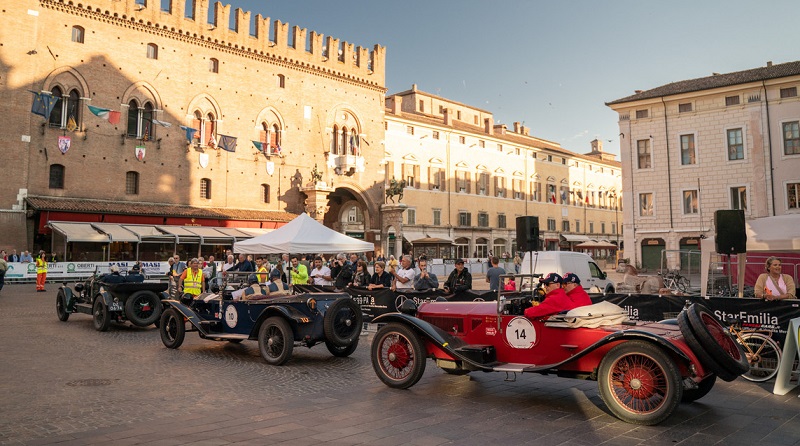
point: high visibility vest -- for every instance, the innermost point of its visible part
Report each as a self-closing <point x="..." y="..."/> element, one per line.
<point x="41" y="265"/>
<point x="262" y="277"/>
<point x="191" y="285"/>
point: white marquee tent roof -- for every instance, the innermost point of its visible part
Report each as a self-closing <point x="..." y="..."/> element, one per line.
<point x="302" y="235"/>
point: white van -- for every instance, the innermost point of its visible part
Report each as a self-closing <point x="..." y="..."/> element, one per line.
<point x="563" y="262"/>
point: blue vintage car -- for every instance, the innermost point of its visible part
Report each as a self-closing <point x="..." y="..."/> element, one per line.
<point x="278" y="323"/>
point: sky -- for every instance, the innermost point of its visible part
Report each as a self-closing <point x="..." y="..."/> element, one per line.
<point x="551" y="64"/>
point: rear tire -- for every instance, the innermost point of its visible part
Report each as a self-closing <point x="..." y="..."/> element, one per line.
<point x="639" y="383"/>
<point x="341" y="352"/>
<point x="702" y="355"/>
<point x="717" y="341"/>
<point x="143" y="308"/>
<point x="398" y="356"/>
<point x="342" y="323"/>
<point x="703" y="387"/>
<point x="275" y="340"/>
<point x="172" y="328"/>
<point x="61" y="306"/>
<point x="764" y="360"/>
<point x="100" y="315"/>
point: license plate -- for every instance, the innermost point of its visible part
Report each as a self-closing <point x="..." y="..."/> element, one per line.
<point x="115" y="306"/>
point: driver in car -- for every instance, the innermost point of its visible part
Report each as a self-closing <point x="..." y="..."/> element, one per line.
<point x="252" y="292"/>
<point x="555" y="301"/>
<point x="576" y="293"/>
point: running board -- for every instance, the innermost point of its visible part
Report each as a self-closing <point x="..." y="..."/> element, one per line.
<point x="226" y="337"/>
<point x="513" y="367"/>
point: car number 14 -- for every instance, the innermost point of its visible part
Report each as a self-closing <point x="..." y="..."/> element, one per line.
<point x="520" y="333"/>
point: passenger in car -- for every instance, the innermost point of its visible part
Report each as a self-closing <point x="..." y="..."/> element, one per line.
<point x="555" y="301"/>
<point x="576" y="293"/>
<point x="276" y="286"/>
<point x="252" y="292"/>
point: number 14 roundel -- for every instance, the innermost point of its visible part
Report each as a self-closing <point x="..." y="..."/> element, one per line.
<point x="520" y="333"/>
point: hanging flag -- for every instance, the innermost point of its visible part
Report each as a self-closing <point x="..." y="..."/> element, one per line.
<point x="227" y="143"/>
<point x="111" y="116"/>
<point x="553" y="197"/>
<point x="146" y="136"/>
<point x="161" y="123"/>
<point x="71" y="124"/>
<point x="189" y="133"/>
<point x="211" y="142"/>
<point x="563" y="196"/>
<point x="354" y="144"/>
<point x="64" y="143"/>
<point x="43" y="104"/>
<point x="259" y="145"/>
<point x="277" y="150"/>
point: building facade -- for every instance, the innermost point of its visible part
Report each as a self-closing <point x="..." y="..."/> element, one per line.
<point x="690" y="148"/>
<point x="306" y="112"/>
<point x="467" y="180"/>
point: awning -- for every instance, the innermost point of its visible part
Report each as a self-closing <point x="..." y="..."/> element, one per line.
<point x="575" y="238"/>
<point x="116" y="232"/>
<point x="596" y="245"/>
<point x="149" y="233"/>
<point x="433" y="241"/>
<point x="79" y="232"/>
<point x="209" y="235"/>
<point x="251" y="232"/>
<point x="183" y="235"/>
<point x="412" y="236"/>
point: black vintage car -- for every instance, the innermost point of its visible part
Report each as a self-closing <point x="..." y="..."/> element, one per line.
<point x="113" y="297"/>
<point x="278" y="323"/>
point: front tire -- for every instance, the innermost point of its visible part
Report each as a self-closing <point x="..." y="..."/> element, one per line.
<point x="398" y="356"/>
<point x="172" y="328"/>
<point x="275" y="340"/>
<point x="143" y="308"/>
<point x="639" y="383"/>
<point x="342" y="322"/>
<point x="100" y="315"/>
<point x="61" y="306"/>
<point x="341" y="352"/>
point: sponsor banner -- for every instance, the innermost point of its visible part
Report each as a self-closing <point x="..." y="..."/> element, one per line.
<point x="77" y="270"/>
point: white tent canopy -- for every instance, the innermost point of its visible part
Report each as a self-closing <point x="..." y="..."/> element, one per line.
<point x="768" y="234"/>
<point x="302" y="235"/>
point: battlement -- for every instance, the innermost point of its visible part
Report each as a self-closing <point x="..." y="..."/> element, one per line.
<point x="273" y="39"/>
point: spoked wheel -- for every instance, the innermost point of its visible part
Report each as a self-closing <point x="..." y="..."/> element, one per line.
<point x="341" y="352"/>
<point x="100" y="315"/>
<point x="143" y="308"/>
<point x="342" y="322"/>
<point x="398" y="356"/>
<point x="682" y="284"/>
<point x="763" y="355"/>
<point x="61" y="306"/>
<point x="276" y="340"/>
<point x="639" y="383"/>
<point x="172" y="328"/>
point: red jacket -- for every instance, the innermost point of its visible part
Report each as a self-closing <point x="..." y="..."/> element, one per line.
<point x="579" y="297"/>
<point x="554" y="302"/>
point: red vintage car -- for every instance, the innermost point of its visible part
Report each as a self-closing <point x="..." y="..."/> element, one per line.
<point x="643" y="370"/>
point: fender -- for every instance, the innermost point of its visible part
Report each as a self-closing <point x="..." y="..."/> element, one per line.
<point x="187" y="312"/>
<point x="108" y="299"/>
<point x="294" y="317"/>
<point x="69" y="296"/>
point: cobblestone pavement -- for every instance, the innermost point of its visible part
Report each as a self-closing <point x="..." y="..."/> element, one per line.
<point x="65" y="383"/>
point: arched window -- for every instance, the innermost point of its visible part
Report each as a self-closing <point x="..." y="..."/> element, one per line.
<point x="140" y="121"/>
<point x="281" y="80"/>
<point x="56" y="176"/>
<point x="132" y="183"/>
<point x="343" y="146"/>
<point x="205" y="188"/>
<point x="152" y="51"/>
<point x="213" y="65"/>
<point x="265" y="192"/>
<point x="133" y="119"/>
<point x="335" y="140"/>
<point x="210" y="130"/>
<point x="275" y="137"/>
<point x="57" y="114"/>
<point x="66" y="107"/>
<point x="197" y="124"/>
<point x="77" y="34"/>
<point x="263" y="136"/>
<point x="354" y="142"/>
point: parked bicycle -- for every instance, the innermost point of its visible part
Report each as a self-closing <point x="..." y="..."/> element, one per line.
<point x="763" y="353"/>
<point x="676" y="282"/>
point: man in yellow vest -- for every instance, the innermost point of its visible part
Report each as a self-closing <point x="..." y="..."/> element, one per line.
<point x="262" y="269"/>
<point x="191" y="281"/>
<point x="41" y="272"/>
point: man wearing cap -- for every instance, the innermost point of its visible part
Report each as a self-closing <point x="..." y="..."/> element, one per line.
<point x="555" y="301"/>
<point x="576" y="293"/>
<point x="276" y="286"/>
<point x="459" y="280"/>
<point x="252" y="292"/>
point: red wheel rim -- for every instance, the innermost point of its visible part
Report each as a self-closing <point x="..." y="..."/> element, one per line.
<point x="638" y="383"/>
<point x="721" y="336"/>
<point x="396" y="355"/>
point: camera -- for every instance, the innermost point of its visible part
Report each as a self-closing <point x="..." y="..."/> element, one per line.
<point x="289" y="268"/>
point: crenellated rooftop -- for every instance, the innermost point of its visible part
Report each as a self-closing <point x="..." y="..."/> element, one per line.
<point x="270" y="40"/>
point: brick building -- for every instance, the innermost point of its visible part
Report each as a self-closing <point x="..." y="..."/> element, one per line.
<point x="467" y="179"/>
<point x="689" y="148"/>
<point x="299" y="93"/>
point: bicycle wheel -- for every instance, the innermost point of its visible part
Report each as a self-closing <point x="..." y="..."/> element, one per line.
<point x="763" y="354"/>
<point x="682" y="284"/>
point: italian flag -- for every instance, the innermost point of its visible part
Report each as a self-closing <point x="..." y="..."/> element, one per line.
<point x="109" y="115"/>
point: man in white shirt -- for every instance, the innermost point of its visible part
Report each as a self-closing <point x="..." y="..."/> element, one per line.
<point x="321" y="274"/>
<point x="404" y="276"/>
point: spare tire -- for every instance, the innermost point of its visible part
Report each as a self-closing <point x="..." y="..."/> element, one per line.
<point x="717" y="340"/>
<point x="702" y="355"/>
<point x="143" y="308"/>
<point x="342" y="322"/>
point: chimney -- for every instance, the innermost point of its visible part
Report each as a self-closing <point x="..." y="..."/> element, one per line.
<point x="597" y="145"/>
<point x="413" y="87"/>
<point x="448" y="117"/>
<point x="638" y="91"/>
<point x="524" y="130"/>
<point x="488" y="125"/>
<point x="397" y="104"/>
<point x="516" y="126"/>
<point x="500" y="129"/>
<point x="769" y="63"/>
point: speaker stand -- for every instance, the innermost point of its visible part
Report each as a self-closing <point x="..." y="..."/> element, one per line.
<point x="730" y="277"/>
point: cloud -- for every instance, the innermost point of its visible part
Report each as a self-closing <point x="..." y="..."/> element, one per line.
<point x="579" y="135"/>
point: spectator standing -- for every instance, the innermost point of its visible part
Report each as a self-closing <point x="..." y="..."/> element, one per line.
<point x="13" y="257"/>
<point x="404" y="276"/>
<point x="41" y="271"/>
<point x="299" y="272"/>
<point x="362" y="277"/>
<point x="494" y="273"/>
<point x="244" y="265"/>
<point x="425" y="280"/>
<point x="262" y="272"/>
<point x="354" y="262"/>
<point x="3" y="268"/>
<point x="26" y="257"/>
<point x="229" y="263"/>
<point x="460" y="279"/>
<point x="344" y="274"/>
<point x="517" y="263"/>
<point x="381" y="278"/>
<point x="321" y="274"/>
<point x="210" y="271"/>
